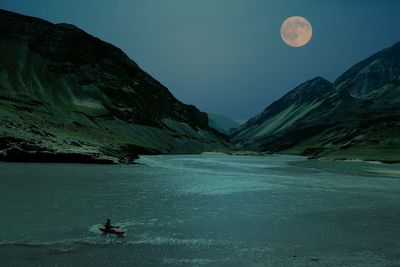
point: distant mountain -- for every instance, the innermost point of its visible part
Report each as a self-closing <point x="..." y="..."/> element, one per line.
<point x="356" y="117"/>
<point x="68" y="96"/>
<point x="222" y="123"/>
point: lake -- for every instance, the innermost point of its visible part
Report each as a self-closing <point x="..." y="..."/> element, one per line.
<point x="193" y="210"/>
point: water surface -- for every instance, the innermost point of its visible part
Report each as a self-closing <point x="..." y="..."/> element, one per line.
<point x="213" y="210"/>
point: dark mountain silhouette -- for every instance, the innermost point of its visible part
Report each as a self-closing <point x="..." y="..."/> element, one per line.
<point x="68" y="96"/>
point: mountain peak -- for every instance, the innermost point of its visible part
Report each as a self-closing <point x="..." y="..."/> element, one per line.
<point x="369" y="75"/>
<point x="310" y="90"/>
<point x="67" y="26"/>
<point x="318" y="79"/>
<point x="356" y="117"/>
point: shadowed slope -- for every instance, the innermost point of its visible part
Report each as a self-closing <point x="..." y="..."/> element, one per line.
<point x="64" y="91"/>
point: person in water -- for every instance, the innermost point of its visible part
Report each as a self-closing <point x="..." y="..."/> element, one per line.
<point x="108" y="225"/>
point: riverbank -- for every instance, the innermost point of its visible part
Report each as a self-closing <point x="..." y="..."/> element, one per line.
<point x="354" y="167"/>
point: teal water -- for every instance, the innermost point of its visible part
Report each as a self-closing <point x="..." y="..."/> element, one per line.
<point x="212" y="210"/>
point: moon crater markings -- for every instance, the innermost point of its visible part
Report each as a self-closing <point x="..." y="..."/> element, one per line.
<point x="296" y="31"/>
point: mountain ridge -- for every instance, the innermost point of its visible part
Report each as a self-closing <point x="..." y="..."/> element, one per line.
<point x="65" y="92"/>
<point x="357" y="118"/>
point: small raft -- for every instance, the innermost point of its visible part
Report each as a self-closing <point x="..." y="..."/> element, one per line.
<point x="116" y="231"/>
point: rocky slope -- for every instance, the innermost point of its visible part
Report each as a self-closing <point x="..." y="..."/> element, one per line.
<point x="67" y="96"/>
<point x="356" y="117"/>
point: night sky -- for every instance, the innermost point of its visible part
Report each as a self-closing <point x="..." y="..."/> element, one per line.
<point x="227" y="56"/>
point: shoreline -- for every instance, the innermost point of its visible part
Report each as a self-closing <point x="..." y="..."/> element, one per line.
<point x="77" y="158"/>
<point x="387" y="162"/>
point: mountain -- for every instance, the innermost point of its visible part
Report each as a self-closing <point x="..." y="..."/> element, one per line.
<point x="356" y="117"/>
<point x="283" y="113"/>
<point x="67" y="96"/>
<point x="222" y="123"/>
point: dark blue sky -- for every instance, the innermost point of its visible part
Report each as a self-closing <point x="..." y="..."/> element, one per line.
<point x="226" y="56"/>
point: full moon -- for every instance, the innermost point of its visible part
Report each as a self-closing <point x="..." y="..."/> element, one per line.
<point x="296" y="31"/>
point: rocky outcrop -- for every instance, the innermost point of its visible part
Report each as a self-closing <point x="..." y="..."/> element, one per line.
<point x="66" y="92"/>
